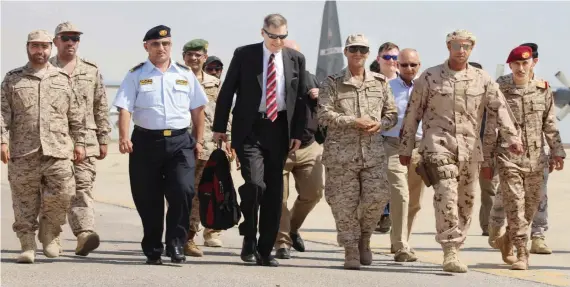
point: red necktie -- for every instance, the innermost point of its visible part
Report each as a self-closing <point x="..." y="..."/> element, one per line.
<point x="271" y="90"/>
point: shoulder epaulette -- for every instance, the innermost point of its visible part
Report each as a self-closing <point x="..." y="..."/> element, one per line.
<point x="137" y="67"/>
<point x="89" y="62"/>
<point x="378" y="76"/>
<point x="15" y="71"/>
<point x="183" y="66"/>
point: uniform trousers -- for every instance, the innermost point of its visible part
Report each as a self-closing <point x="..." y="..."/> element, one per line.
<point x="162" y="166"/>
<point x="41" y="185"/>
<point x="81" y="213"/>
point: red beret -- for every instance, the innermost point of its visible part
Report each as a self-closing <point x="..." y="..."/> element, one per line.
<point x="520" y="53"/>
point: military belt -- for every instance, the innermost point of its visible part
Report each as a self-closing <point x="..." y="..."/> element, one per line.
<point x="162" y="133"/>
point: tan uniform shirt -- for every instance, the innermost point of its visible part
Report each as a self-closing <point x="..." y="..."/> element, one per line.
<point x="40" y="111"/>
<point x="211" y="86"/>
<point x="451" y="106"/>
<point x="88" y="86"/>
<point x="341" y="101"/>
<point x="533" y="108"/>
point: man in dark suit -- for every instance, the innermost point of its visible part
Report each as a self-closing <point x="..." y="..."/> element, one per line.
<point x="268" y="121"/>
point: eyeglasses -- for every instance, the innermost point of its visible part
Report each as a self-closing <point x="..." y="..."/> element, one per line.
<point x="197" y="55"/>
<point x="211" y="69"/>
<point x="275" y="36"/>
<point x="405" y="65"/>
<point x="388" y="57"/>
<point x="66" y="38"/>
<point x="361" y="49"/>
<point x="457" y="46"/>
<point x="157" y="44"/>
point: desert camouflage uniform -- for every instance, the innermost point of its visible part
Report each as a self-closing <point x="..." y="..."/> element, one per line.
<point x="42" y="120"/>
<point x="211" y="86"/>
<point x="451" y="106"/>
<point x="522" y="176"/>
<point x="87" y="84"/>
<point x="356" y="165"/>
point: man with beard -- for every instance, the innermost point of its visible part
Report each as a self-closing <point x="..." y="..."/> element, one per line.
<point x="42" y="120"/>
<point x="522" y="177"/>
<point x="163" y="97"/>
<point x="451" y="145"/>
<point x="195" y="53"/>
<point x="214" y="66"/>
<point x="87" y="84"/>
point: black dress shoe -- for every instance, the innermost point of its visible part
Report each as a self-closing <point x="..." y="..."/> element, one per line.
<point x="283" y="253"/>
<point x="298" y="242"/>
<point x="248" y="250"/>
<point x="266" y="261"/>
<point x="153" y="261"/>
<point x="176" y="254"/>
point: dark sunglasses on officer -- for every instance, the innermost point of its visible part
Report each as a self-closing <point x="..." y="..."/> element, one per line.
<point x="65" y="38"/>
<point x="214" y="68"/>
<point x="361" y="49"/>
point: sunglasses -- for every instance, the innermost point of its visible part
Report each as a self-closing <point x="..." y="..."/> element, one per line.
<point x="405" y="65"/>
<point x="361" y="49"/>
<point x="211" y="69"/>
<point x="275" y="36"/>
<point x="457" y="46"/>
<point x="388" y="57"/>
<point x="66" y="38"/>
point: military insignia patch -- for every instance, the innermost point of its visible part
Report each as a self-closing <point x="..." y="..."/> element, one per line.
<point x="525" y="55"/>
<point x="162" y="33"/>
<point x="182" y="82"/>
<point x="145" y="82"/>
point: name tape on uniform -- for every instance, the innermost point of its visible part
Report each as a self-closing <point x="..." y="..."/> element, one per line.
<point x="182" y="82"/>
<point x="145" y="82"/>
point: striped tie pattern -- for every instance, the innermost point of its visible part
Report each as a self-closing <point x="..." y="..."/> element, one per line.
<point x="271" y="90"/>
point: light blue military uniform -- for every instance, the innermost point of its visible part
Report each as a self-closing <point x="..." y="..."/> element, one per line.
<point x="160" y="101"/>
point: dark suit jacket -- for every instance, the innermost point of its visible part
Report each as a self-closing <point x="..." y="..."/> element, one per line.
<point x="244" y="77"/>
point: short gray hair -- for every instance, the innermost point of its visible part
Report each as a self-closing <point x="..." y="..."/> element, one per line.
<point x="275" y="20"/>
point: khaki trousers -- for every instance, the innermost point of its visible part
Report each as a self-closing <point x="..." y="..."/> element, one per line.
<point x="308" y="171"/>
<point x="406" y="190"/>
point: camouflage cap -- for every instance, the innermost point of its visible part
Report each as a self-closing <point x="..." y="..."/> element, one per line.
<point x="356" y="40"/>
<point x="460" y="35"/>
<point x="66" y="27"/>
<point x="194" y="45"/>
<point x="40" y="36"/>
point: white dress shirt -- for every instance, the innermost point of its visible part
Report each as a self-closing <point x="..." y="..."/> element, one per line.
<point x="278" y="61"/>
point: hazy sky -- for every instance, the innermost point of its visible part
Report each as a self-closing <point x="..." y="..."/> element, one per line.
<point x="114" y="30"/>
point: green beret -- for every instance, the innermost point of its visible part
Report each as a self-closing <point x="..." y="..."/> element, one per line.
<point x="196" y="44"/>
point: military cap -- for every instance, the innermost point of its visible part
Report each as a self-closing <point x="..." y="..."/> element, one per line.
<point x="520" y="53"/>
<point x="156" y="33"/>
<point x="356" y="40"/>
<point x="534" y="48"/>
<point x="195" y="45"/>
<point x="40" y="36"/>
<point x="66" y="27"/>
<point x="212" y="59"/>
<point x="460" y="35"/>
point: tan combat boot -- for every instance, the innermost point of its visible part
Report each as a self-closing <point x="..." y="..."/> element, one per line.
<point x="364" y="250"/>
<point x="451" y="261"/>
<point x="538" y="246"/>
<point x="48" y="236"/>
<point x="212" y="238"/>
<point x="351" y="258"/>
<point x="522" y="262"/>
<point x="87" y="241"/>
<point x="506" y="246"/>
<point x="190" y="248"/>
<point x="494" y="234"/>
<point x="28" y="243"/>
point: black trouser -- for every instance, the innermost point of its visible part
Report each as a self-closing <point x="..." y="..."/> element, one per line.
<point x="162" y="166"/>
<point x="262" y="157"/>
